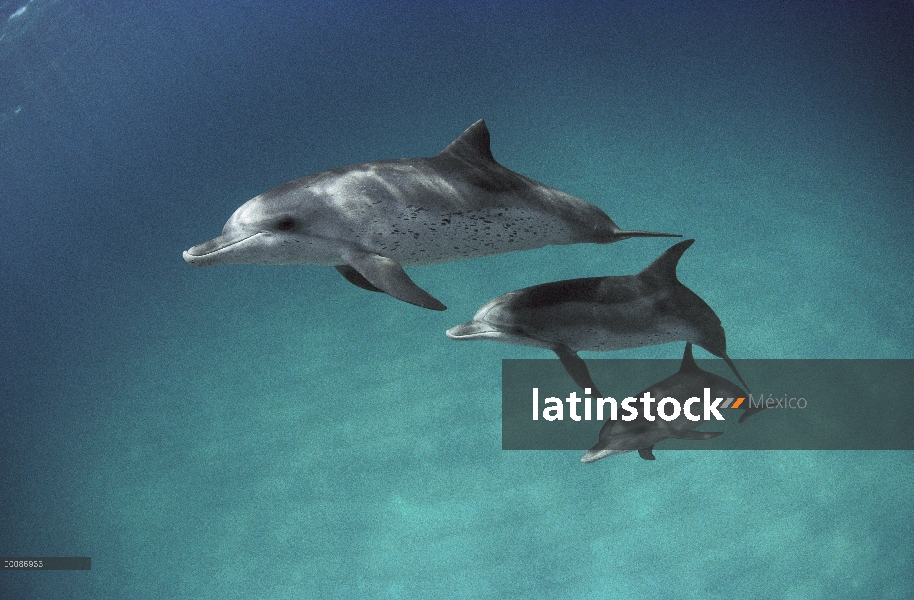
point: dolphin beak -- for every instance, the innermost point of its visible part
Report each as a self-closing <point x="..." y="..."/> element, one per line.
<point x="600" y="451"/>
<point x="471" y="330"/>
<point x="593" y="456"/>
<point x="610" y="446"/>
<point x="205" y="254"/>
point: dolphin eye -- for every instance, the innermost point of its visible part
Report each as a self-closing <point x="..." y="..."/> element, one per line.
<point x="285" y="224"/>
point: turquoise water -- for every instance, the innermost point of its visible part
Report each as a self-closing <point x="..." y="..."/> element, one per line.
<point x="276" y="432"/>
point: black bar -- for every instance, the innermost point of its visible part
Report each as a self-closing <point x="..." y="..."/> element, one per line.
<point x="850" y="404"/>
<point x="45" y="563"/>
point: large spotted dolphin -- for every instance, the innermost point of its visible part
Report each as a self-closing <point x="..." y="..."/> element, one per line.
<point x="602" y="313"/>
<point x="371" y="219"/>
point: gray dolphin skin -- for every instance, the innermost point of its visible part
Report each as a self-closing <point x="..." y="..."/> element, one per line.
<point x="602" y="313"/>
<point x="618" y="437"/>
<point x="372" y="219"/>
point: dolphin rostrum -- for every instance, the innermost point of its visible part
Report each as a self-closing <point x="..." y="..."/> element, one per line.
<point x="371" y="219"/>
<point x="602" y="313"/>
<point x="617" y="437"/>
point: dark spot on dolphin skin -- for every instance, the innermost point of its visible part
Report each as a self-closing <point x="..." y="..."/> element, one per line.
<point x="665" y="306"/>
<point x="285" y="224"/>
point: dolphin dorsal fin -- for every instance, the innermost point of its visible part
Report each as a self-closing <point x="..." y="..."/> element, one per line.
<point x="472" y="145"/>
<point x="664" y="267"/>
<point x="688" y="361"/>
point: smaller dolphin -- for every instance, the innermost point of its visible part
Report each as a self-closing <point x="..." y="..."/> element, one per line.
<point x="602" y="313"/>
<point x="618" y="437"/>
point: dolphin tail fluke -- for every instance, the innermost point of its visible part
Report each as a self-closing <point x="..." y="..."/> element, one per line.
<point x="735" y="372"/>
<point x="388" y="276"/>
<point x="577" y="368"/>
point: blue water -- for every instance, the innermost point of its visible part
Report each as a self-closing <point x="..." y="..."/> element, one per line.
<point x="276" y="432"/>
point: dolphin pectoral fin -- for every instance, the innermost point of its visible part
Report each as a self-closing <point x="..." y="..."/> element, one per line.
<point x="696" y="435"/>
<point x="647" y="453"/>
<point x="576" y="367"/>
<point x="386" y="275"/>
<point x="356" y="278"/>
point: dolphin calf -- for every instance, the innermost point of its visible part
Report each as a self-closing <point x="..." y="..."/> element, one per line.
<point x="617" y="437"/>
<point x="371" y="219"/>
<point x="602" y="313"/>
